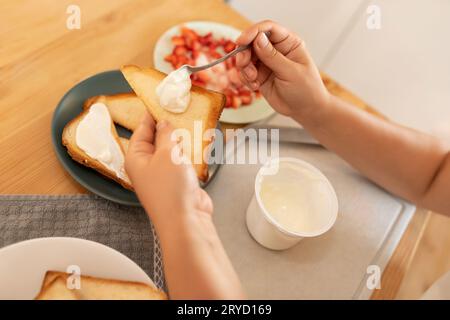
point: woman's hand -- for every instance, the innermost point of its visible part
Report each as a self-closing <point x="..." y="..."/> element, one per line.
<point x="195" y="263"/>
<point x="281" y="67"/>
<point x="170" y="192"/>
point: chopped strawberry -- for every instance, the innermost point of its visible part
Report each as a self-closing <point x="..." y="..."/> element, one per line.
<point x="221" y="42"/>
<point x="236" y="102"/>
<point x="203" y="76"/>
<point x="229" y="46"/>
<point x="180" y="51"/>
<point x="194" y="49"/>
<point x="207" y="39"/>
<point x="178" y="41"/>
<point x="189" y="33"/>
<point x="196" y="45"/>
<point x="244" y="92"/>
<point x="246" y="99"/>
<point x="198" y="83"/>
<point x="195" y="54"/>
<point x="228" y="101"/>
<point x="214" y="54"/>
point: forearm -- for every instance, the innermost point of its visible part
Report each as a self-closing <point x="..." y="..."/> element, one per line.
<point x="401" y="160"/>
<point x="195" y="263"/>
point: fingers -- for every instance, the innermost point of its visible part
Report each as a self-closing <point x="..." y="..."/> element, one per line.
<point x="143" y="137"/>
<point x="164" y="138"/>
<point x="243" y="58"/>
<point x="284" y="41"/>
<point x="277" y="32"/>
<point x="271" y="57"/>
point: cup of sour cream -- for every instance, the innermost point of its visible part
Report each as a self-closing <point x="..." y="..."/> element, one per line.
<point x="293" y="200"/>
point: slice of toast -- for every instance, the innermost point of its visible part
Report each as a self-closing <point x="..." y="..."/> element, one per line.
<point x="57" y="289"/>
<point x="92" y="288"/>
<point x="205" y="106"/>
<point x="69" y="141"/>
<point x="126" y="109"/>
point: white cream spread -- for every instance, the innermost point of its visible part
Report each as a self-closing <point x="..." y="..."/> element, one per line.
<point x="174" y="92"/>
<point x="94" y="137"/>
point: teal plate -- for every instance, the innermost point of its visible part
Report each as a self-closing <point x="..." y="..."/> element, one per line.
<point x="109" y="82"/>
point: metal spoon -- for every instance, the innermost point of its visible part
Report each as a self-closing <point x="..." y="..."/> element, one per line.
<point x="193" y="69"/>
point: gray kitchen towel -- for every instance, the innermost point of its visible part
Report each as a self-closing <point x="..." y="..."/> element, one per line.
<point x="126" y="229"/>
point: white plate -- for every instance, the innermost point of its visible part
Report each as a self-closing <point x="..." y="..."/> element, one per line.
<point x="23" y="265"/>
<point x="258" y="110"/>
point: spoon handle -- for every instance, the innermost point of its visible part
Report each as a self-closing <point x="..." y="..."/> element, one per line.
<point x="225" y="57"/>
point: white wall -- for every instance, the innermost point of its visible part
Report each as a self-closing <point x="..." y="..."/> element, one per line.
<point x="403" y="69"/>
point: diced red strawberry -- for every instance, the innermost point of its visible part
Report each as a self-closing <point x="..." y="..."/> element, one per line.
<point x="192" y="48"/>
<point x="195" y="54"/>
<point x="172" y="59"/>
<point x="189" y="33"/>
<point x="228" y="101"/>
<point x="207" y="39"/>
<point x="168" y="58"/>
<point x="196" y="45"/>
<point x="243" y="91"/>
<point x="221" y="42"/>
<point x="236" y="102"/>
<point x="180" y="51"/>
<point x="229" y="46"/>
<point x="178" y="41"/>
<point x="198" y="83"/>
<point x="203" y="76"/>
<point x="246" y="99"/>
<point x="214" y="54"/>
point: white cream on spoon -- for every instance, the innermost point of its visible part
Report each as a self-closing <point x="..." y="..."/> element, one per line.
<point x="174" y="92"/>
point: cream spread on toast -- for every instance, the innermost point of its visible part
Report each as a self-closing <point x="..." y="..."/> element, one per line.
<point x="94" y="136"/>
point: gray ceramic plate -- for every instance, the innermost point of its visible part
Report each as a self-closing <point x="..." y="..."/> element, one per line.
<point x="109" y="82"/>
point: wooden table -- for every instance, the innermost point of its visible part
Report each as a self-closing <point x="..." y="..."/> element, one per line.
<point x="40" y="59"/>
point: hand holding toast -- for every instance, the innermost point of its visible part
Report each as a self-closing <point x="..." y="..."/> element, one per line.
<point x="281" y="67"/>
<point x="167" y="190"/>
<point x="196" y="265"/>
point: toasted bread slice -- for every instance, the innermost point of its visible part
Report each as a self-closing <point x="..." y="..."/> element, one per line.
<point x="69" y="141"/>
<point x="205" y="106"/>
<point x="126" y="109"/>
<point x="57" y="289"/>
<point x="92" y="288"/>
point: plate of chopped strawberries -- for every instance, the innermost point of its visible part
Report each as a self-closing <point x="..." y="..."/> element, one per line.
<point x="200" y="42"/>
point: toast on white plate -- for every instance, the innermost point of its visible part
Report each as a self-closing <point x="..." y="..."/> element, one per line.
<point x="79" y="155"/>
<point x="54" y="287"/>
<point x="205" y="107"/>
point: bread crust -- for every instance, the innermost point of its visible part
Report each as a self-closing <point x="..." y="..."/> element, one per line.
<point x="81" y="157"/>
<point x="52" y="276"/>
